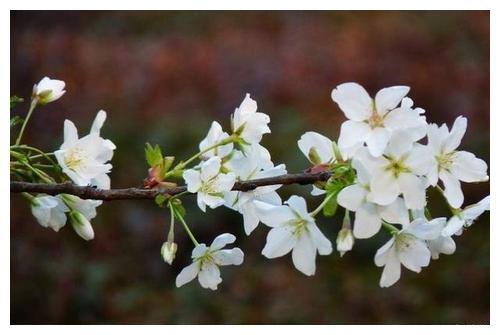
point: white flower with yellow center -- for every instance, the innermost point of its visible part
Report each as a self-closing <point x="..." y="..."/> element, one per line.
<point x="206" y="262"/>
<point x="85" y="159"/>
<point x="372" y="121"/>
<point x="209" y="183"/>
<point x="293" y="229"/>
<point x="249" y="124"/>
<point x="450" y="165"/>
<point x="407" y="247"/>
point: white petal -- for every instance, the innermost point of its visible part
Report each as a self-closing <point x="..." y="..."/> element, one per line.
<point x="192" y="178"/>
<point x="414" y="254"/>
<point x="187" y="274"/>
<point x="209" y="276"/>
<point x="395" y="212"/>
<point x="321" y="145"/>
<point x="298" y="204"/>
<point x="392" y="270"/>
<point x="468" y="168"/>
<point x="367" y="221"/>
<point x="224" y="182"/>
<point x="98" y="122"/>
<point x="279" y="242"/>
<point x="399" y="145"/>
<point x="352" y="197"/>
<point x="210" y="168"/>
<point x="320" y="241"/>
<point x="304" y="255"/>
<point x="377" y="141"/>
<point x="353" y="100"/>
<point x="441" y="245"/>
<point x="212" y="201"/>
<point x="352" y="134"/>
<point x="272" y="215"/>
<point x="452" y="190"/>
<point x="472" y="212"/>
<point x="228" y="257"/>
<point x="384" y="188"/>
<point x="454" y="225"/>
<point x="419" y="160"/>
<point x="426" y="230"/>
<point x="201" y="203"/>
<point x="200" y="250"/>
<point x="388" y="98"/>
<point x="413" y="189"/>
<point x="250" y="218"/>
<point x="70" y="134"/>
<point x="456" y="134"/>
<point x="221" y="241"/>
<point x="383" y="253"/>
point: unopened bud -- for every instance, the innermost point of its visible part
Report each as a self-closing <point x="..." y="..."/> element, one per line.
<point x="81" y="225"/>
<point x="168" y="250"/>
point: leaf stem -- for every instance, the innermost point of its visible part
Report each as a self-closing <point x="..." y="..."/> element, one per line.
<point x="322" y="204"/>
<point x="184" y="224"/>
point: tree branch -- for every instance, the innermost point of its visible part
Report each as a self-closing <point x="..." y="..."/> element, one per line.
<point x="88" y="192"/>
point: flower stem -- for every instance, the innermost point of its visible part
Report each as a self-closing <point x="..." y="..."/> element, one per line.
<point x="184" y="224"/>
<point x="34" y="102"/>
<point x="322" y="204"/>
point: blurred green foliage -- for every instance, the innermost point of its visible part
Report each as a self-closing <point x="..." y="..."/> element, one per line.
<point x="162" y="77"/>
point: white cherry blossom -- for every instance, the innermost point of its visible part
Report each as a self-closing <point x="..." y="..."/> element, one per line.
<point x="206" y="262"/>
<point x="209" y="183"/>
<point x="407" y="247"/>
<point x="317" y="148"/>
<point x="371" y="121"/>
<point x="249" y="124"/>
<point x="369" y="215"/>
<point x="49" y="211"/>
<point x="293" y="229"/>
<point x="466" y="217"/>
<point x="254" y="164"/>
<point x="48" y="90"/>
<point x="215" y="135"/>
<point x="85" y="159"/>
<point x="452" y="166"/>
<point x="399" y="171"/>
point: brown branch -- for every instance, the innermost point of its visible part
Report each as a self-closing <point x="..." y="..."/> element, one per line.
<point x="87" y="192"/>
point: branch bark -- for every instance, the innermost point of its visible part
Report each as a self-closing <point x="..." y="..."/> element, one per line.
<point x="88" y="192"/>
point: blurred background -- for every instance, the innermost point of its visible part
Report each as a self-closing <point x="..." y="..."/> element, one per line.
<point x="163" y="77"/>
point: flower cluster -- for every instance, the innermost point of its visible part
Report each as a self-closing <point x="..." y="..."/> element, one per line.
<point x="83" y="160"/>
<point x="386" y="160"/>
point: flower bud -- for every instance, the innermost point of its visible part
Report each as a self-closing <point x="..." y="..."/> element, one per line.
<point x="81" y="225"/>
<point x="48" y="90"/>
<point x="345" y="238"/>
<point x="168" y="250"/>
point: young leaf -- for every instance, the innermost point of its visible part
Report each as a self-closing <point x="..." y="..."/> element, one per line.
<point x="160" y="200"/>
<point x="331" y="206"/>
<point x="154" y="156"/>
<point x="14" y="121"/>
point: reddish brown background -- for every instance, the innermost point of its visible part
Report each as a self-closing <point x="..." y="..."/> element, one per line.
<point x="162" y="77"/>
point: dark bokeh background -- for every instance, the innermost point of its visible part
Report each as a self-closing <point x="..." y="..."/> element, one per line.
<point x="162" y="77"/>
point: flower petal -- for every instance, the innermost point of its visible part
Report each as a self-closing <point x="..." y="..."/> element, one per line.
<point x="313" y="144"/>
<point x="353" y="100"/>
<point x="352" y="197"/>
<point x="456" y="134"/>
<point x="395" y="212"/>
<point x="321" y="242"/>
<point x="304" y="255"/>
<point x="367" y="221"/>
<point x="298" y="204"/>
<point x="414" y="255"/>
<point x="221" y="241"/>
<point x="209" y="276"/>
<point x="452" y="190"/>
<point x="229" y="257"/>
<point x="413" y="189"/>
<point x="453" y="226"/>
<point x="187" y="274"/>
<point x="388" y="98"/>
<point x="468" y="168"/>
<point x="384" y="188"/>
<point x="210" y="168"/>
<point x="192" y="178"/>
<point x="279" y="242"/>
<point x="272" y="215"/>
<point x="392" y="270"/>
<point x="377" y="141"/>
<point x="352" y="135"/>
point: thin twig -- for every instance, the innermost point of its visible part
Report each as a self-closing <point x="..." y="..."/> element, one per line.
<point x="88" y="192"/>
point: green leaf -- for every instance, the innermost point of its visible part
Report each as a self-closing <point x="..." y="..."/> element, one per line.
<point x="14" y="121"/>
<point x="331" y="206"/>
<point x="15" y="100"/>
<point x="160" y="200"/>
<point x="154" y="156"/>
